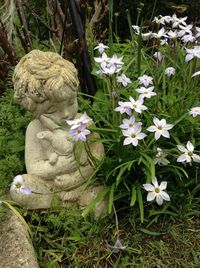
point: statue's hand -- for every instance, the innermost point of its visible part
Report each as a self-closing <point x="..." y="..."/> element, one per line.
<point x="53" y="158"/>
<point x="72" y="180"/>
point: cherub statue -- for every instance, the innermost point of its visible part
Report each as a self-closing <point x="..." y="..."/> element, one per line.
<point x="46" y="85"/>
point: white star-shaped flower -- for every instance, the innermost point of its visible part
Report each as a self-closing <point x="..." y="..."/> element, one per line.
<point x="101" y="47"/>
<point x="124" y="80"/>
<point x="160" y="128"/>
<point x="133" y="135"/>
<point x="188" y="153"/>
<point x="145" y="80"/>
<point x="124" y="107"/>
<point x="156" y="191"/>
<point x="103" y="58"/>
<point x="138" y="106"/>
<point x="130" y="123"/>
<point x="192" y="53"/>
<point x="146" y="92"/>
<point x="194" y="111"/>
<point x="170" y="71"/>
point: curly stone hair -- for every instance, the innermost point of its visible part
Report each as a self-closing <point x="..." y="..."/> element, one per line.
<point x="44" y="76"/>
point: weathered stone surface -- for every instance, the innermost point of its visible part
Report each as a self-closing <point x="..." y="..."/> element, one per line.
<point x="16" y="249"/>
<point x="46" y="85"/>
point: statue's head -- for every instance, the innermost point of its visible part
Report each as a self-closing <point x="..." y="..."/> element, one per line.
<point x="45" y="83"/>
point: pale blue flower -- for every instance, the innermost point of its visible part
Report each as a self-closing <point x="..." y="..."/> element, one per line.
<point x="18" y="185"/>
<point x="117" y="246"/>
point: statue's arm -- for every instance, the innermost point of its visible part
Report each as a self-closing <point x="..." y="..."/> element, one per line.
<point x="36" y="161"/>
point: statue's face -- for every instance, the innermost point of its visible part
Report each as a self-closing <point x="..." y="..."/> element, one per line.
<point x="61" y="111"/>
<point x="57" y="112"/>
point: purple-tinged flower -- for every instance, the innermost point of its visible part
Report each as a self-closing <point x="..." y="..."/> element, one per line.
<point x="109" y="69"/>
<point x="138" y="106"/>
<point x="101" y="47"/>
<point x="146" y="92"/>
<point x="116" y="61"/>
<point x="77" y="122"/>
<point x="145" y="80"/>
<point x="103" y="58"/>
<point x="158" y="55"/>
<point x="124" y="107"/>
<point x="170" y="71"/>
<point x="156" y="191"/>
<point x="130" y="123"/>
<point x="188" y="153"/>
<point x="160" y="128"/>
<point x="197" y="35"/>
<point x="18" y="185"/>
<point x="178" y="21"/>
<point x="133" y="135"/>
<point x="194" y="111"/>
<point x="188" y="38"/>
<point x="185" y="30"/>
<point x="124" y="80"/>
<point x="79" y="133"/>
<point x="117" y="246"/>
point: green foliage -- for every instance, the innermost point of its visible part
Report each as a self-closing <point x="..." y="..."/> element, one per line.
<point x="63" y="238"/>
<point x="13" y="122"/>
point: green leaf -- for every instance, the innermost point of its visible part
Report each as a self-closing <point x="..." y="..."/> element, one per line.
<point x="140" y="201"/>
<point x="133" y="196"/>
<point x="111" y="197"/>
<point x="145" y="231"/>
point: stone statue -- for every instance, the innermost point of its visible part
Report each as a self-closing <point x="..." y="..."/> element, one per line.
<point x="46" y="85"/>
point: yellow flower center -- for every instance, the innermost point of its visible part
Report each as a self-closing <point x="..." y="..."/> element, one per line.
<point x="190" y="153"/>
<point x="157" y="190"/>
<point x="18" y="185"/>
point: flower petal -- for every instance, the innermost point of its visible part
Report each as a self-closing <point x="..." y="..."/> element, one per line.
<point x="159" y="200"/>
<point x="157" y="135"/>
<point x="155" y="181"/>
<point x="152" y="128"/>
<point x="163" y="185"/>
<point x="196" y="158"/>
<point x="182" y="148"/>
<point x="184" y="158"/>
<point x="150" y="196"/>
<point x="190" y="146"/>
<point x="148" y="187"/>
<point x="165" y="133"/>
<point x="165" y="196"/>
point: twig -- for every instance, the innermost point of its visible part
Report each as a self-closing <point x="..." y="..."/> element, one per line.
<point x="23" y="23"/>
<point x="38" y="18"/>
<point x="6" y="46"/>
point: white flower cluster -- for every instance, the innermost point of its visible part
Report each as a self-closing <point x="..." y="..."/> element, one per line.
<point x="131" y="129"/>
<point x="173" y="29"/>
<point x="111" y="65"/>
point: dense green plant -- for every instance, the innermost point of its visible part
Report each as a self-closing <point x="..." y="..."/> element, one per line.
<point x="13" y="122"/>
<point x="127" y="167"/>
